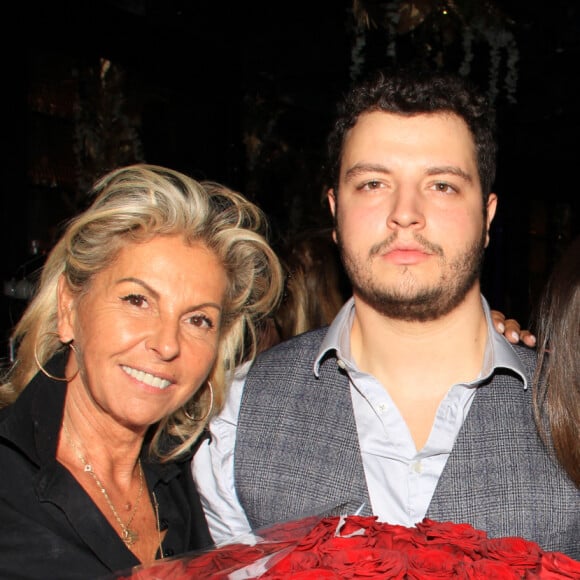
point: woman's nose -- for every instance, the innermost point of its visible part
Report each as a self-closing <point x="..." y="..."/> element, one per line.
<point x="164" y="339"/>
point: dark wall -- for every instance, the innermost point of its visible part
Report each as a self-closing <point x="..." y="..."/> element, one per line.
<point x="243" y="93"/>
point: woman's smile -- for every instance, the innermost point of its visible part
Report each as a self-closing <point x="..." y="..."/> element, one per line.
<point x="147" y="378"/>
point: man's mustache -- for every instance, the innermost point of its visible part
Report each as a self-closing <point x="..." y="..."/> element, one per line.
<point x="387" y="245"/>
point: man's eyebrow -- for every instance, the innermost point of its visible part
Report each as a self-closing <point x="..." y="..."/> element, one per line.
<point x="454" y="170"/>
<point x="360" y="168"/>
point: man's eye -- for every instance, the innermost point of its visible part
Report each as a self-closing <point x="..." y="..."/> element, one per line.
<point x="135" y="300"/>
<point x="444" y="187"/>
<point x="370" y="185"/>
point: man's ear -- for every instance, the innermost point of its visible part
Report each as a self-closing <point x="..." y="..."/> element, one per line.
<point x="65" y="311"/>
<point x="491" y="207"/>
<point x="331" y="197"/>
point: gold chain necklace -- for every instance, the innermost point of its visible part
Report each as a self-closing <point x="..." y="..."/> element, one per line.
<point x="156" y="509"/>
<point x="128" y="535"/>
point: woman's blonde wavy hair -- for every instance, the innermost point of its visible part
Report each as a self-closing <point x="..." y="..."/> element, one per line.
<point x="135" y="204"/>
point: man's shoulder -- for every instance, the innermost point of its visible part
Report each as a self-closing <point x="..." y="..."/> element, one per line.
<point x="528" y="356"/>
<point x="287" y="360"/>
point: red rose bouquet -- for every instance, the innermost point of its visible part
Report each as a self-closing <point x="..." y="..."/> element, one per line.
<point x="358" y="547"/>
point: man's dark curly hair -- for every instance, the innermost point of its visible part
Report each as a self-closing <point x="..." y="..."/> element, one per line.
<point x="411" y="93"/>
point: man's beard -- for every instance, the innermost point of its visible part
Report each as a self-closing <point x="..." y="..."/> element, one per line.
<point x="420" y="304"/>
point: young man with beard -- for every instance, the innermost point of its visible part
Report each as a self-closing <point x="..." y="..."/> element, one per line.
<point x="408" y="404"/>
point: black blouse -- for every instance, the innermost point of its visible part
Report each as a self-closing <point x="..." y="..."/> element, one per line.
<point x="49" y="526"/>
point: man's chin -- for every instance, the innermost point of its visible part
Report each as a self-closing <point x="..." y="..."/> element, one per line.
<point x="409" y="306"/>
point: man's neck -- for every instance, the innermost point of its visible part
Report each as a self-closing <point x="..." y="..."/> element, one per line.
<point x="416" y="354"/>
<point x="418" y="362"/>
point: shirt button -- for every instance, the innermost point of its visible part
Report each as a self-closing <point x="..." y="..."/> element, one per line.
<point x="417" y="467"/>
<point x="382" y="407"/>
<point x="168" y="552"/>
<point x="341" y="363"/>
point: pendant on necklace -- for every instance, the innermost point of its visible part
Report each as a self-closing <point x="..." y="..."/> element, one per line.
<point x="129" y="537"/>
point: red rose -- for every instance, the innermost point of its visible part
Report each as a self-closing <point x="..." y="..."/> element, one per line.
<point x="345" y="548"/>
<point x="393" y="565"/>
<point x="486" y="569"/>
<point x="296" y="561"/>
<point x="430" y="563"/>
<point x="461" y="539"/>
<point x="519" y="553"/>
<point x="393" y="537"/>
<point x="337" y="544"/>
<point x="352" y="524"/>
<point x="317" y="574"/>
<point x="228" y="558"/>
<point x="366" y="563"/>
<point x="325" y="529"/>
<point x="358" y="548"/>
<point x="558" y="565"/>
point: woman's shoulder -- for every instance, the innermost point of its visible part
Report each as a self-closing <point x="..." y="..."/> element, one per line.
<point x="30" y="425"/>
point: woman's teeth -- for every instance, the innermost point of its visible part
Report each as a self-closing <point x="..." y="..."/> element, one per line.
<point x="147" y="378"/>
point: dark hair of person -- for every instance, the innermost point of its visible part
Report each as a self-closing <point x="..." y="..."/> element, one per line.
<point x="315" y="287"/>
<point x="557" y="379"/>
<point x="412" y="93"/>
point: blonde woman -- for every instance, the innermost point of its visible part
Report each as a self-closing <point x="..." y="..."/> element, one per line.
<point x="145" y="305"/>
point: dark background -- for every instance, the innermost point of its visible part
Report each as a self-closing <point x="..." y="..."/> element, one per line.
<point x="243" y="93"/>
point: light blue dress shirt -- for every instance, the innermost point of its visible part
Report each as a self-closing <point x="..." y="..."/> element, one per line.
<point x="400" y="479"/>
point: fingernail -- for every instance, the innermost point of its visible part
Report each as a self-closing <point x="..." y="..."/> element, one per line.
<point x="501" y="327"/>
<point x="515" y="335"/>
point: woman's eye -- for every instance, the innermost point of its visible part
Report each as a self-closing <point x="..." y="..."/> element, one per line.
<point x="135" y="300"/>
<point x="201" y="321"/>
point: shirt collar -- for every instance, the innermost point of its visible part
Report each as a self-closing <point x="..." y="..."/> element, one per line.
<point x="498" y="352"/>
<point x="337" y="339"/>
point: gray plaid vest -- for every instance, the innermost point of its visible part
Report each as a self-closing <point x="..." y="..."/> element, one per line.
<point x="297" y="453"/>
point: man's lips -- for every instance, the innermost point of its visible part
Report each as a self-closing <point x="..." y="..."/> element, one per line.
<point x="406" y="256"/>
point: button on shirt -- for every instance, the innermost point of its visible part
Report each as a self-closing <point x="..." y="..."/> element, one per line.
<point x="401" y="480"/>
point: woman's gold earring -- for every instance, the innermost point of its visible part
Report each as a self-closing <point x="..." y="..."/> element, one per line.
<point x="200" y="419"/>
<point x="45" y="372"/>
